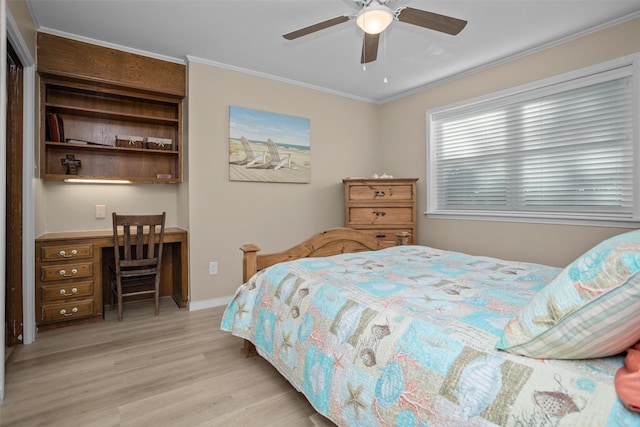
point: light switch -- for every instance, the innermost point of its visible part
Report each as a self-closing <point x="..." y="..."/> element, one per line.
<point x="101" y="211"/>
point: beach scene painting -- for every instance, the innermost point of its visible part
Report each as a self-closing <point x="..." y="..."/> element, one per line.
<point x="268" y="147"/>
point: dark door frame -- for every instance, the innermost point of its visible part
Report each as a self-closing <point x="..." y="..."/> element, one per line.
<point x="14" y="177"/>
<point x="30" y="179"/>
<point x="11" y="33"/>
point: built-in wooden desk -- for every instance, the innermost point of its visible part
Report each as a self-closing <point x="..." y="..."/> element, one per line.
<point x="72" y="274"/>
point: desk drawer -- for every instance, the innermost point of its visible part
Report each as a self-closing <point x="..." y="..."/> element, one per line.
<point x="66" y="311"/>
<point x="66" y="271"/>
<point x="380" y="215"/>
<point x="64" y="252"/>
<point x="67" y="290"/>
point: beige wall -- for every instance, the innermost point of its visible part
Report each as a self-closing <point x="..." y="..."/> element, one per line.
<point x="403" y="130"/>
<point x="348" y="138"/>
<point x="73" y="206"/>
<point x="21" y="15"/>
<point x="223" y="215"/>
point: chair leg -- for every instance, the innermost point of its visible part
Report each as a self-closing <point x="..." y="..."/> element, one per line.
<point x="157" y="296"/>
<point x="119" y="286"/>
<point x="111" y="296"/>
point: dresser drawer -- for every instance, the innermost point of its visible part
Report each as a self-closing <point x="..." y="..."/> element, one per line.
<point x="66" y="311"/>
<point x="71" y="270"/>
<point x="67" y="290"/>
<point x="69" y="251"/>
<point x="379" y="216"/>
<point x="386" y="236"/>
<point x="380" y="192"/>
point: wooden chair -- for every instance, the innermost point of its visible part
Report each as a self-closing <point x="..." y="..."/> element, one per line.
<point x="137" y="270"/>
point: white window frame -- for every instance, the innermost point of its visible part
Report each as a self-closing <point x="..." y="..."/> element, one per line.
<point x="513" y="93"/>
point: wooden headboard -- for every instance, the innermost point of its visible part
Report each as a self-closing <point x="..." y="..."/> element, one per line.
<point x="331" y="242"/>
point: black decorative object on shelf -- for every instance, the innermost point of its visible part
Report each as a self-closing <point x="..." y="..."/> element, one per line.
<point x="71" y="163"/>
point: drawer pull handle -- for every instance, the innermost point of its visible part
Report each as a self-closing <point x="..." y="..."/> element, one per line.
<point x="379" y="213"/>
<point x="65" y="255"/>
<point x="73" y="311"/>
<point x="379" y="194"/>
<point x="380" y="236"/>
<point x="73" y="291"/>
<point x="64" y="273"/>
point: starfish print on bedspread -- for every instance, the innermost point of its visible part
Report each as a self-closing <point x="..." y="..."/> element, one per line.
<point x="337" y="362"/>
<point x="354" y="399"/>
<point x="242" y="309"/>
<point x="286" y="342"/>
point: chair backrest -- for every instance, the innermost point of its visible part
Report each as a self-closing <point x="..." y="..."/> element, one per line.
<point x="248" y="152"/>
<point x="273" y="151"/>
<point x="133" y="242"/>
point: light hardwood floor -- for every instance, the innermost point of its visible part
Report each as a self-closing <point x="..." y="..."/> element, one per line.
<point x="177" y="369"/>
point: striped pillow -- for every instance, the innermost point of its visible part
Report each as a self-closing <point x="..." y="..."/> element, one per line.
<point x="591" y="309"/>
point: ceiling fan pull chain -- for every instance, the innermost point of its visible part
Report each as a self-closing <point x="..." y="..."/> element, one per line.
<point x="384" y="53"/>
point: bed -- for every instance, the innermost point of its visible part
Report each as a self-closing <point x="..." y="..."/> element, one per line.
<point x="408" y="336"/>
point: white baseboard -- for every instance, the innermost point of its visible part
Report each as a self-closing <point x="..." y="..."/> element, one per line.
<point x="209" y="303"/>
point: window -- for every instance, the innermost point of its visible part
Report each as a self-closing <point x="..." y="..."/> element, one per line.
<point x="560" y="149"/>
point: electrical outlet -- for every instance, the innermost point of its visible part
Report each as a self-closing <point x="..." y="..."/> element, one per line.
<point x="213" y="268"/>
<point x="101" y="211"/>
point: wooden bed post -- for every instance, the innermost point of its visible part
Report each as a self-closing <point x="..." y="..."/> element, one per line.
<point x="249" y="261"/>
<point x="402" y="238"/>
<point x="249" y="268"/>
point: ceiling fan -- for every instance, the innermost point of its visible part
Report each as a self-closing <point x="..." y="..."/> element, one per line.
<point x="375" y="16"/>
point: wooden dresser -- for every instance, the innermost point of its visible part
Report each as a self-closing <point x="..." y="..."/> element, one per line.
<point x="382" y="207"/>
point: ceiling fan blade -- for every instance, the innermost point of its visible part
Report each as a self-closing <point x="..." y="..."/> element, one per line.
<point x="316" y="27"/>
<point x="369" y="48"/>
<point x="432" y="21"/>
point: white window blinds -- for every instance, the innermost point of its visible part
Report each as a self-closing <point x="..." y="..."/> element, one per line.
<point x="564" y="150"/>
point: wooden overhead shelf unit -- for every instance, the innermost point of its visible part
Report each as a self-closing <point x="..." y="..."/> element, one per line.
<point x="99" y="93"/>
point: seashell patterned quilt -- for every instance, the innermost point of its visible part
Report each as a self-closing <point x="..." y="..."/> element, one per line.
<point x="406" y="336"/>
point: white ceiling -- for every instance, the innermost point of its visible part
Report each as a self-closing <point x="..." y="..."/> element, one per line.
<point x="247" y="35"/>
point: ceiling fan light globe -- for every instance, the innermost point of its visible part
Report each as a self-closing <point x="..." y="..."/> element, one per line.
<point x="374" y="19"/>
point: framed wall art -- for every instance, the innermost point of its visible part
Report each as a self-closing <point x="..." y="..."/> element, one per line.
<point x="268" y="147"/>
